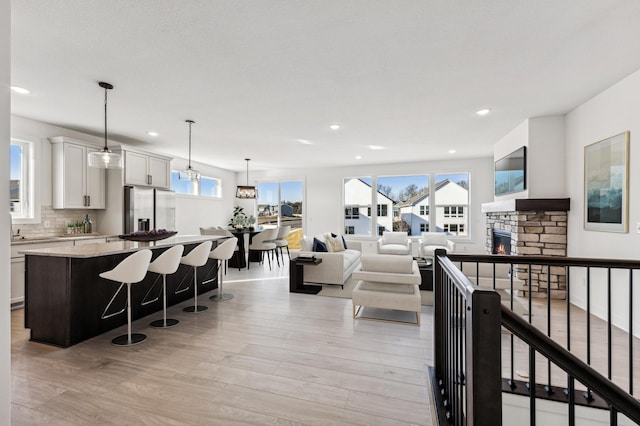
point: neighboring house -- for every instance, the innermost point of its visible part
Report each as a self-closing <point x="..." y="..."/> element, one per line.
<point x="286" y="210"/>
<point x="451" y="212"/>
<point x="357" y="209"/>
<point x="14" y="195"/>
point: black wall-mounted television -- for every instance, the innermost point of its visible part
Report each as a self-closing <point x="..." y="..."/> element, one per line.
<point x="511" y="172"/>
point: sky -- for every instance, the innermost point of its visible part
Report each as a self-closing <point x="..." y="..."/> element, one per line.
<point x="15" y="162"/>
<point x="289" y="191"/>
<point x="398" y="183"/>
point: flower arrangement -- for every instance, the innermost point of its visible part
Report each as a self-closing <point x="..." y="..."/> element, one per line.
<point x="239" y="218"/>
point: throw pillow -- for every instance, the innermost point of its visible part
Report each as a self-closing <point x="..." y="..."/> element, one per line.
<point x="344" y="243"/>
<point x="335" y="243"/>
<point x="319" y="246"/>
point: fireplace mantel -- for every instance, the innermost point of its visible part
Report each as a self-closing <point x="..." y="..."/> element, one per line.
<point x="527" y="204"/>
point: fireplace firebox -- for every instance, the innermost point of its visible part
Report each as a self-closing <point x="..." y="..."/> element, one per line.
<point x="501" y="242"/>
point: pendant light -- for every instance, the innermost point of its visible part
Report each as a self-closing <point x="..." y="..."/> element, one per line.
<point x="190" y="173"/>
<point x="105" y="159"/>
<point x="246" y="191"/>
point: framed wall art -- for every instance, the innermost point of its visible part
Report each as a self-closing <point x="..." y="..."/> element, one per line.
<point x="606" y="184"/>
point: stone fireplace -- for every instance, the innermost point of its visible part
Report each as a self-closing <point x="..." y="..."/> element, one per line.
<point x="535" y="227"/>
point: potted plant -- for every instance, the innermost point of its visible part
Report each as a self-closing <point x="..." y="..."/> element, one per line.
<point x="251" y="220"/>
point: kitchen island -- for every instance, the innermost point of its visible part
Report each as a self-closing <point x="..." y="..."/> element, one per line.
<point x="65" y="296"/>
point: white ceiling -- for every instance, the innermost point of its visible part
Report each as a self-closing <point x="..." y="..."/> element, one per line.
<point x="258" y="75"/>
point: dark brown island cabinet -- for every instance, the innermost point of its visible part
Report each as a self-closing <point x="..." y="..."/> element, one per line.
<point x="65" y="297"/>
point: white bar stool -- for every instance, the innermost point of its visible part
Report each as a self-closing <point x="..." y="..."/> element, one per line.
<point x="196" y="257"/>
<point x="165" y="264"/>
<point x="222" y="253"/>
<point x="131" y="270"/>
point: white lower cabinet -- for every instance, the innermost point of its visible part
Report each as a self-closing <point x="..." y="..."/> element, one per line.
<point x="17" y="281"/>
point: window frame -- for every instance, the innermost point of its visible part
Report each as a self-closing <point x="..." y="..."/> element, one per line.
<point x="29" y="174"/>
<point x="430" y="211"/>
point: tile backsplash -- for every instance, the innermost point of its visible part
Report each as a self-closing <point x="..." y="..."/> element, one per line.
<point x="57" y="220"/>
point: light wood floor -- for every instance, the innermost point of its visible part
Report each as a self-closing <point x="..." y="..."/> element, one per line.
<point x="264" y="357"/>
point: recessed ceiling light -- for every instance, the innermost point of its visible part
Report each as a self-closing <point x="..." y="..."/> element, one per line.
<point x="376" y="147"/>
<point x="304" y="142"/>
<point x="358" y="157"/>
<point x="452" y="151"/>
<point x="152" y="133"/>
<point x="334" y="126"/>
<point x="483" y="111"/>
<point x="20" y="90"/>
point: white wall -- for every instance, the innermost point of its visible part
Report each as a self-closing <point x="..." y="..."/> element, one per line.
<point x="611" y="112"/>
<point x="323" y="207"/>
<point x="544" y="139"/>
<point x="5" y="290"/>
<point x="193" y="213"/>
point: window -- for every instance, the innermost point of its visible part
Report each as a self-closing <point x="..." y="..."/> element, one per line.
<point x="207" y="187"/>
<point x="351" y="212"/>
<point x="454" y="211"/>
<point x="381" y="230"/>
<point x="21" y="192"/>
<point x="349" y="230"/>
<point x="411" y="203"/>
<point x="358" y="195"/>
<point x="280" y="203"/>
<point x="406" y="197"/>
<point x="451" y="203"/>
<point x="450" y="227"/>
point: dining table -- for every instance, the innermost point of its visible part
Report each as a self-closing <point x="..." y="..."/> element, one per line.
<point x="238" y="259"/>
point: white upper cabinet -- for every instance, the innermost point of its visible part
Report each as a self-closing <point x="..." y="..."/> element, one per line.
<point x="146" y="170"/>
<point x="75" y="184"/>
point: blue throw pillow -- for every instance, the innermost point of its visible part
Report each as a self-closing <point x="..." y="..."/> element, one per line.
<point x="344" y="243"/>
<point x="319" y="246"/>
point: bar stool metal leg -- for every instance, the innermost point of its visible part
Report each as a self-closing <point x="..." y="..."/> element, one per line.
<point x="221" y="297"/>
<point x="195" y="307"/>
<point x="129" y="339"/>
<point x="164" y="322"/>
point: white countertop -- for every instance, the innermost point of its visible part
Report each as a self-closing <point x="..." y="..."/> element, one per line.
<point x="71" y="237"/>
<point x="116" y="247"/>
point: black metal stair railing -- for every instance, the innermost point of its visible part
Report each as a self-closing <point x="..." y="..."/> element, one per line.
<point x="466" y="378"/>
<point x="460" y="313"/>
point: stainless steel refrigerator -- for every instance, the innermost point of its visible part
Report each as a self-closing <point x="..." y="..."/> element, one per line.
<point x="148" y="208"/>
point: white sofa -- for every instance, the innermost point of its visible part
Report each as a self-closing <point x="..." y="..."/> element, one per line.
<point x="430" y="241"/>
<point x="387" y="282"/>
<point x="394" y="243"/>
<point x="336" y="267"/>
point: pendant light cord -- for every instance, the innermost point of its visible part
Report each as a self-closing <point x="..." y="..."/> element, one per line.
<point x="190" y="144"/>
<point x="190" y="123"/>
<point x="247" y="160"/>
<point x="106" y="148"/>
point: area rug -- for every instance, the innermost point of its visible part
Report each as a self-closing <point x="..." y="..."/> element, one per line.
<point x="329" y="290"/>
